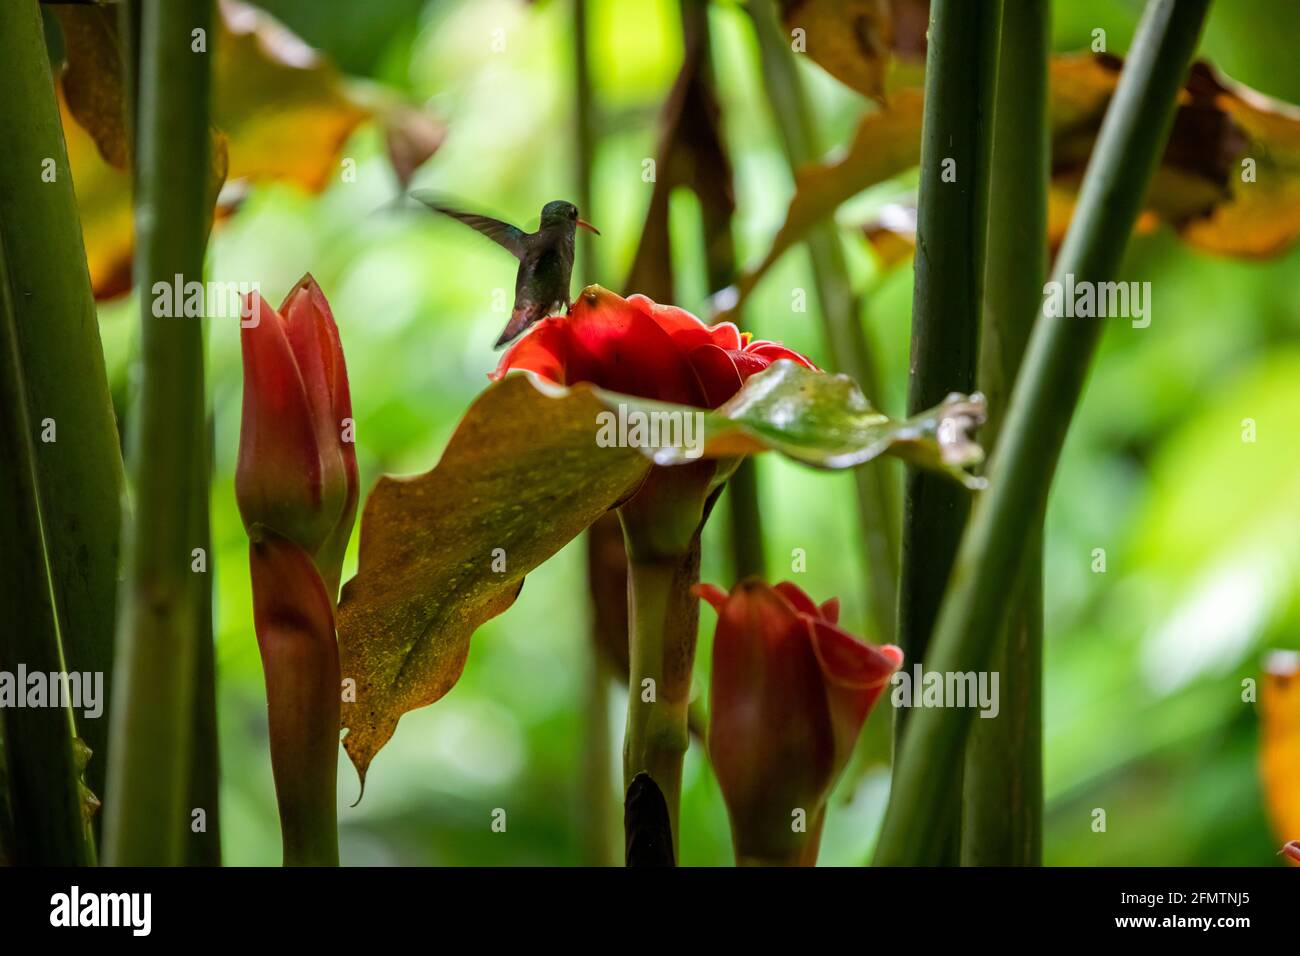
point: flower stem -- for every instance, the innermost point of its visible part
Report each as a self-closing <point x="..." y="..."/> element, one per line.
<point x="844" y="335"/>
<point x="664" y="618"/>
<point x="147" y="812"/>
<point x="79" y="464"/>
<point x="1042" y="403"/>
<point x="303" y="702"/>
<point x="1003" y="811"/>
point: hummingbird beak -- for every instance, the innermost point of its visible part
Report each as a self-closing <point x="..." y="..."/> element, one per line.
<point x="586" y="225"/>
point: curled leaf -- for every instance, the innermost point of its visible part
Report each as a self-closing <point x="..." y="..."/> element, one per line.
<point x="816" y="418"/>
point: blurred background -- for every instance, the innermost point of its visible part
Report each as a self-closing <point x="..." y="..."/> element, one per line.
<point x="1144" y="706"/>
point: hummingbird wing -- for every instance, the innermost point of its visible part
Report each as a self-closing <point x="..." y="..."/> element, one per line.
<point x="509" y="237"/>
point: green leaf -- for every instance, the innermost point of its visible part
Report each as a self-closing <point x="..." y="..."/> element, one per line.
<point x="824" y="421"/>
<point x="527" y="470"/>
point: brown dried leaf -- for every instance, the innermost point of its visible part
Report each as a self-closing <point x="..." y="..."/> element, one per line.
<point x="1198" y="190"/>
<point x="849" y="39"/>
<point x="92" y="80"/>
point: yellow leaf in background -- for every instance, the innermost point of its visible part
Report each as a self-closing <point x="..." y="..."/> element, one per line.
<point x="282" y="112"/>
<point x="104" y="203"/>
<point x="92" y="81"/>
<point x="849" y="39"/>
<point x="1229" y="180"/>
<point x="871" y="46"/>
<point x="1279" y="751"/>
<point x="283" y="107"/>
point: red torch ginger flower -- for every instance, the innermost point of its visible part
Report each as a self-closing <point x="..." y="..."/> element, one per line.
<point x="296" y="484"/>
<point x="790" y="692"/>
<point x="640" y="348"/>
<point x="297" y="469"/>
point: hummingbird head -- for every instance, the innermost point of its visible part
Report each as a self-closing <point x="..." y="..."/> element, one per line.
<point x="560" y="213"/>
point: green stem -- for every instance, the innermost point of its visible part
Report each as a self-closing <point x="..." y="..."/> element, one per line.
<point x="664" y="617"/>
<point x="746" y="522"/>
<point x="205" y="763"/>
<point x="147" y="813"/>
<point x="1003" y="811"/>
<point x="844" y="335"/>
<point x="1042" y="403"/>
<point x="40" y="762"/>
<point x="952" y="222"/>
<point x="79" y="472"/>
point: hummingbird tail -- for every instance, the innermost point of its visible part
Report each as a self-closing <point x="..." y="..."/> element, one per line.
<point x="520" y="320"/>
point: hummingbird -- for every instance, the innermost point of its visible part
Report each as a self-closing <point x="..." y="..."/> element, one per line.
<point x="545" y="259"/>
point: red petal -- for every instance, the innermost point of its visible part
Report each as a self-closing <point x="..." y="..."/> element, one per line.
<point x="771" y="740"/>
<point x="849" y="662"/>
<point x="685" y="329"/>
<point x="711" y="593"/>
<point x="716" y="373"/>
<point x="543" y="350"/>
<point x="830" y="610"/>
<point x="797" y="598"/>
<point x="618" y="346"/>
<point x="278" y="475"/>
<point x="772" y="351"/>
<point x="856" y="675"/>
<point x="747" y="363"/>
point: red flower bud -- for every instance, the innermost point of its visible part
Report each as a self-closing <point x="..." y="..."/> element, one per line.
<point x="790" y="693"/>
<point x="640" y="348"/>
<point x="297" y="469"/>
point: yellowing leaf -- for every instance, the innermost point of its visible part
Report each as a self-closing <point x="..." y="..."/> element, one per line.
<point x="1204" y="187"/>
<point x="887" y="142"/>
<point x="1279" y="751"/>
<point x="92" y="81"/>
<point x="849" y="39"/>
<point x="522" y="474"/>
<point x="869" y="45"/>
<point x="283" y="113"/>
<point x="280" y="103"/>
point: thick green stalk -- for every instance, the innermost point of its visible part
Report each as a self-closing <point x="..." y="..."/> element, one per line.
<point x="952" y="222"/>
<point x="79" y="469"/>
<point x="148" y="812"/>
<point x="1042" y="403"/>
<point x="844" y="335"/>
<point x="951" y="225"/>
<point x="664" y="617"/>
<point x="1003" y="811"/>
<point x="40" y="763"/>
<point x="204" y="848"/>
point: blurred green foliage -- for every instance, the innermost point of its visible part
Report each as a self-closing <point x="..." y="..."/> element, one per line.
<point x="1144" y="715"/>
